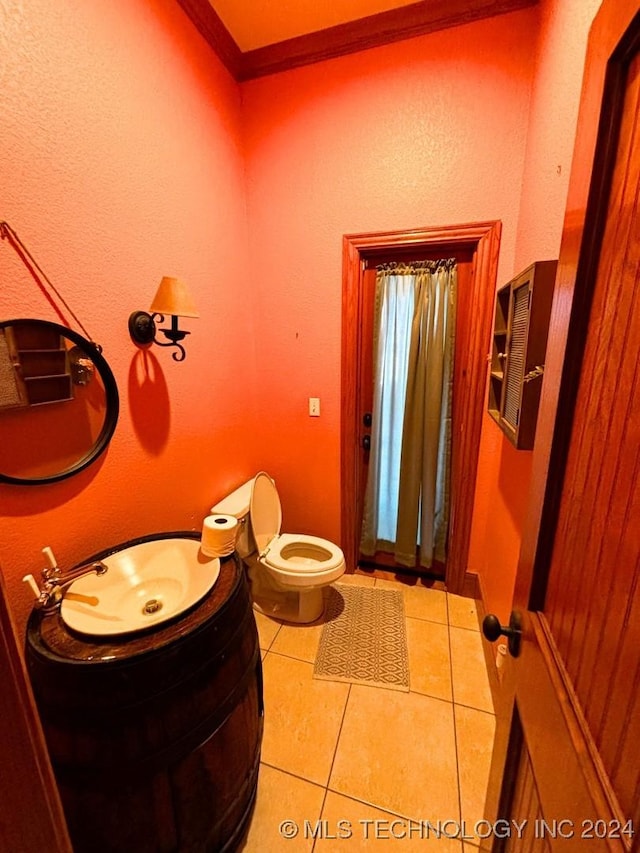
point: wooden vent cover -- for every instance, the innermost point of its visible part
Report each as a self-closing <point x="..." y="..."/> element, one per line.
<point x="517" y="354"/>
<point x="523" y="308"/>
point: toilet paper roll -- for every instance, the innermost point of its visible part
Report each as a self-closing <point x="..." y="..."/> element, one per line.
<point x="219" y="535"/>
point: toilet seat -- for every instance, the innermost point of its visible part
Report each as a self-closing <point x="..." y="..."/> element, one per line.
<point x="265" y="512"/>
<point x="298" y="559"/>
<point x="304" y="560"/>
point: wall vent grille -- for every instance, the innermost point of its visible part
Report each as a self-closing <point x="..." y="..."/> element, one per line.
<point x="517" y="353"/>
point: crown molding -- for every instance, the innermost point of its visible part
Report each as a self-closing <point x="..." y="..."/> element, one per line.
<point x="416" y="19"/>
<point x="208" y="23"/>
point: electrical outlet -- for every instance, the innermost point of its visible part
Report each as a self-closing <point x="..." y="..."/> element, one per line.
<point x="314" y="407"/>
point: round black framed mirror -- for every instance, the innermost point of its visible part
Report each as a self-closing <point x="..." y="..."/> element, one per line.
<point x="58" y="402"/>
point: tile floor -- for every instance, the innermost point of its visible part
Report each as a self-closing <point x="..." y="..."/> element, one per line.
<point x="353" y="768"/>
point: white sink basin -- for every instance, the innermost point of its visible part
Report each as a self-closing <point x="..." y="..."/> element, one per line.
<point x="145" y="585"/>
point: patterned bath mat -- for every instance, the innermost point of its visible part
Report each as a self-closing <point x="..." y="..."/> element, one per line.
<point x="364" y="638"/>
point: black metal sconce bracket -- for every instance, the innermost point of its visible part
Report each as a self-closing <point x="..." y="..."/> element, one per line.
<point x="143" y="330"/>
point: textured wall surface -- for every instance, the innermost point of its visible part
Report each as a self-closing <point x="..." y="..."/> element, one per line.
<point x="122" y="163"/>
<point x="129" y="154"/>
<point x="501" y="493"/>
<point x="426" y="132"/>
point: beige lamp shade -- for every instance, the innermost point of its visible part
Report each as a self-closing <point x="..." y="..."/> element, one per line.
<point x="174" y="298"/>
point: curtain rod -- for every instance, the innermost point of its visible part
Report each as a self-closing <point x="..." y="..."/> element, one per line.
<point x="393" y="266"/>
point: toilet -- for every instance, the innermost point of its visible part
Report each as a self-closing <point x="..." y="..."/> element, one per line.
<point x="287" y="571"/>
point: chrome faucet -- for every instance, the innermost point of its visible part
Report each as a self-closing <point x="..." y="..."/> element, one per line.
<point x="49" y="596"/>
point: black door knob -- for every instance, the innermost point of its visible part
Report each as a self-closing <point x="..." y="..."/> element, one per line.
<point x="366" y="442"/>
<point x="367" y="419"/>
<point x="492" y="629"/>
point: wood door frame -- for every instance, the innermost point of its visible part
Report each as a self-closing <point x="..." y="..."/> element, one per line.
<point x="483" y="239"/>
<point x="594" y="157"/>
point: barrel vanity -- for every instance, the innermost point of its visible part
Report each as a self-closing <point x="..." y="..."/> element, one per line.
<point x="155" y="736"/>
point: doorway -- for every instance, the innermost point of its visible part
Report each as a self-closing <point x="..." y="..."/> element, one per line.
<point x="391" y="424"/>
<point x="477" y="247"/>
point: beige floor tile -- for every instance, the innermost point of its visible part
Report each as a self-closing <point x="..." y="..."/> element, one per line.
<point x="267" y="630"/>
<point x="469" y="671"/>
<point x="420" y="602"/>
<point x="357" y="580"/>
<point x="282" y="797"/>
<point x="429" y="660"/>
<point x="302" y="718"/>
<point x="463" y="612"/>
<point x="475" y="732"/>
<point x="348" y="825"/>
<point x="298" y="641"/>
<point x="397" y="752"/>
<point x="423" y="603"/>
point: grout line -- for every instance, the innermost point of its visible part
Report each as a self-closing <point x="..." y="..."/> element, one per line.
<point x="275" y="636"/>
<point x="474" y="708"/>
<point x="324" y="800"/>
<point x="476" y="626"/>
<point x="333" y="759"/>
<point x="453" y="708"/>
<point x="465" y="628"/>
<point x="448" y="702"/>
<point x="371" y="804"/>
<point x="432" y="696"/>
<point x="335" y="750"/>
<point x="478" y="635"/>
<point x="291" y="773"/>
<point x="291" y="657"/>
<point x="268" y="648"/>
<point x="425" y="619"/>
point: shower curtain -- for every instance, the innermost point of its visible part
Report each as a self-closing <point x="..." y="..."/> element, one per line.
<point x="407" y="497"/>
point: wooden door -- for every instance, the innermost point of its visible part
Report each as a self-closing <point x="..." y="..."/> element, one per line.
<point x="464" y="258"/>
<point x="572" y="770"/>
<point x="482" y="242"/>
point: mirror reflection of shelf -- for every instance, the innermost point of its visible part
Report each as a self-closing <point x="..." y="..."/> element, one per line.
<point x="48" y="389"/>
<point x="41" y="365"/>
<point x="45" y="442"/>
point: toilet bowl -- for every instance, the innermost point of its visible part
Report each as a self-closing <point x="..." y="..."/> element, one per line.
<point x="287" y="571"/>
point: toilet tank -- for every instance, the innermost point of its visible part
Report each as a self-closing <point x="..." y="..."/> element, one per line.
<point x="237" y="504"/>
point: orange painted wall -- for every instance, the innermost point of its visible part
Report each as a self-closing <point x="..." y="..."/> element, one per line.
<point x="504" y="475"/>
<point x="129" y="153"/>
<point x="121" y="163"/>
<point x="427" y="132"/>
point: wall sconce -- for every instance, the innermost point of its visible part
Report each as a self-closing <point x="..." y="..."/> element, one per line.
<point x="172" y="299"/>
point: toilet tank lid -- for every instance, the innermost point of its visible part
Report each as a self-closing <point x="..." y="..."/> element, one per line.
<point x="237" y="503"/>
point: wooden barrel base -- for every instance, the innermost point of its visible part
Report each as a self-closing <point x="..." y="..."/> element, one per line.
<point x="155" y="741"/>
